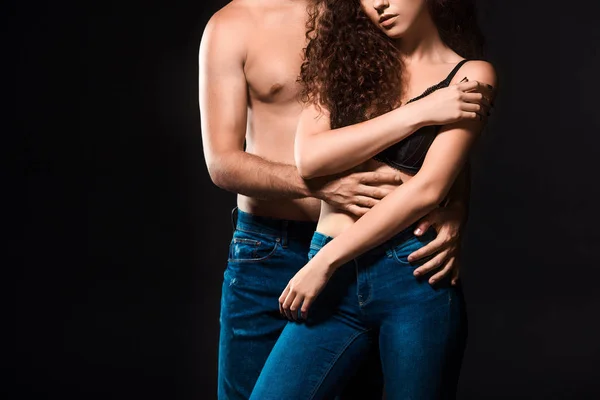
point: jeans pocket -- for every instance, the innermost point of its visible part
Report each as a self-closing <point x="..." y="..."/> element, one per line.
<point x="402" y="250"/>
<point x="248" y="246"/>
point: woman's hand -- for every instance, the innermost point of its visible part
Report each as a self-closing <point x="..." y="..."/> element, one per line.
<point x="468" y="100"/>
<point x="303" y="289"/>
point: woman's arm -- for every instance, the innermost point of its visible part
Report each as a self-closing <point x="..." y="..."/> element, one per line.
<point x="320" y="150"/>
<point x="419" y="195"/>
<point x="398" y="210"/>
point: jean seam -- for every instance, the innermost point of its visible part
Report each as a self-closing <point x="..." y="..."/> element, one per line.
<point x="348" y="343"/>
<point x="362" y="303"/>
<point x="256" y="232"/>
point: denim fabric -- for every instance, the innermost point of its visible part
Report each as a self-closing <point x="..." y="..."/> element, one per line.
<point x="264" y="254"/>
<point x="421" y="329"/>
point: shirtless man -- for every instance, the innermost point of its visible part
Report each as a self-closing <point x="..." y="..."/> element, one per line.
<point x="249" y="60"/>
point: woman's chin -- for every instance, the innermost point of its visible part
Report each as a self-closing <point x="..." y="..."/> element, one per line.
<point x="394" y="32"/>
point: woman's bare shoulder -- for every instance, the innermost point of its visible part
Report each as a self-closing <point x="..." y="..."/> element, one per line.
<point x="479" y="70"/>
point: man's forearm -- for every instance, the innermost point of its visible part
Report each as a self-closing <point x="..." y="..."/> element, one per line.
<point x="254" y="176"/>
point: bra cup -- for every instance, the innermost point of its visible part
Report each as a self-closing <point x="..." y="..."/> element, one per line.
<point x="409" y="153"/>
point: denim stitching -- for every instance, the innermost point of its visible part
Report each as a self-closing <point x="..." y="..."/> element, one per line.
<point x="253" y="260"/>
<point x="368" y="284"/>
<point x="256" y="232"/>
<point x="346" y="345"/>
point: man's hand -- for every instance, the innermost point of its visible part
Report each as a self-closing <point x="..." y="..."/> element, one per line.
<point x="354" y="192"/>
<point x="447" y="221"/>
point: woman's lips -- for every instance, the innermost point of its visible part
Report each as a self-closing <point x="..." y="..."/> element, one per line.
<point x="387" y="20"/>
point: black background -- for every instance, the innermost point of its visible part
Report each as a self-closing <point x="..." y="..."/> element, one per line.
<point x="124" y="237"/>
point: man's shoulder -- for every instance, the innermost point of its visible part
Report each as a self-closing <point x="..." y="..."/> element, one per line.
<point x="237" y="14"/>
<point x="229" y="28"/>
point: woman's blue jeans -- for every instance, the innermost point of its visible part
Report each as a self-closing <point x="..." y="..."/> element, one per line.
<point x="421" y="328"/>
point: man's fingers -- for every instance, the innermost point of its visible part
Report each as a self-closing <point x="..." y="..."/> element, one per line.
<point x="435" y="263"/>
<point x="422" y="227"/>
<point x="378" y="177"/>
<point x="357" y="210"/>
<point x="372" y="191"/>
<point x="365" y="202"/>
<point x="455" y="275"/>
<point x="430" y="248"/>
<point x="443" y="272"/>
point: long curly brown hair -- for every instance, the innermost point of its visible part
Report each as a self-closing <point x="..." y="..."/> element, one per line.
<point x="355" y="71"/>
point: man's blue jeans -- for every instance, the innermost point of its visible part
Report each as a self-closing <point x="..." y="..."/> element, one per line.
<point x="421" y="329"/>
<point x="264" y="254"/>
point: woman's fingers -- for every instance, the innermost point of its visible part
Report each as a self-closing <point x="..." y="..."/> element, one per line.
<point x="290" y="303"/>
<point x="475" y="86"/>
<point x="486" y="91"/>
<point x="306" y="305"/>
<point x="475" y="108"/>
<point x="477" y="98"/>
<point x="295" y="306"/>
<point x="282" y="298"/>
<point x="287" y="304"/>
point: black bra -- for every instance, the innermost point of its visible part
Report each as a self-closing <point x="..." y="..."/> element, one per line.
<point x="408" y="154"/>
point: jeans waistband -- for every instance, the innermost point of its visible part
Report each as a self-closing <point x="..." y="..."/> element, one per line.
<point x="319" y="239"/>
<point x="283" y="228"/>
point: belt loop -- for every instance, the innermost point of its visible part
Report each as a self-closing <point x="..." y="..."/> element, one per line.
<point x="284" y="233"/>
<point x="234" y="217"/>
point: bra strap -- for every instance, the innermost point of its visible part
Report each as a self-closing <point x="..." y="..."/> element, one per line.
<point x="453" y="72"/>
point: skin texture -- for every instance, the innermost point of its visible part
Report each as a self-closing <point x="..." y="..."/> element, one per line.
<point x="249" y="60"/>
<point x="427" y="60"/>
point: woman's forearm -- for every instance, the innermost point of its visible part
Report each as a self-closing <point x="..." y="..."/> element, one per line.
<point x="459" y="195"/>
<point x="382" y="222"/>
<point x="336" y="150"/>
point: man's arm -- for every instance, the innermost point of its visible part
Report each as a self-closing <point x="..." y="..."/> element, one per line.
<point x="223" y="110"/>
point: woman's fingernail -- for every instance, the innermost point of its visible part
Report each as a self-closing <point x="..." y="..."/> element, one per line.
<point x="418" y="231"/>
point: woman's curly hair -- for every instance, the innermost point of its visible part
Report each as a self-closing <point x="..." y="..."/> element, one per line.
<point x="355" y="71"/>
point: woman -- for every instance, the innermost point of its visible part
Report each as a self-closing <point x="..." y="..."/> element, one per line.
<point x="381" y="59"/>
